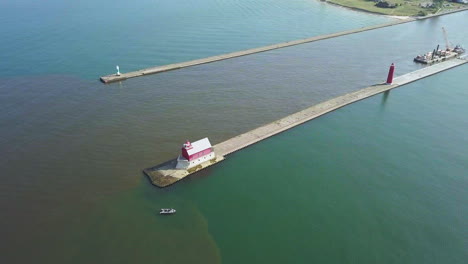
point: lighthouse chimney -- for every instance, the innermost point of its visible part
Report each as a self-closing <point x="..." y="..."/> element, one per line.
<point x="390" y="74"/>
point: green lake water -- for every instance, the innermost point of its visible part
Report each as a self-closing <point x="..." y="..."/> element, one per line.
<point x="381" y="181"/>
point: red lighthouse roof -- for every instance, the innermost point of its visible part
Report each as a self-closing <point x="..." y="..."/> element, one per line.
<point x="197" y="146"/>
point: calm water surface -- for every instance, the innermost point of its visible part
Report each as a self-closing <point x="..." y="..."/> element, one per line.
<point x="380" y="181"/>
<point x="88" y="38"/>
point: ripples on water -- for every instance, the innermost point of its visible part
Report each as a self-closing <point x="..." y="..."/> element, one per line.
<point x="73" y="149"/>
<point x="88" y="38"/>
<point x="375" y="182"/>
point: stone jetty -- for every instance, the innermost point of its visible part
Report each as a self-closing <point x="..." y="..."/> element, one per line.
<point x="158" y="69"/>
<point x="165" y="174"/>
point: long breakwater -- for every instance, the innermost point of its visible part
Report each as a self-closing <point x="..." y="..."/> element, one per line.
<point x="165" y="174"/>
<point x="158" y="69"/>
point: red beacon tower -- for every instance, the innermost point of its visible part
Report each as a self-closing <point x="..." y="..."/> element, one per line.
<point x="195" y="153"/>
<point x="390" y="74"/>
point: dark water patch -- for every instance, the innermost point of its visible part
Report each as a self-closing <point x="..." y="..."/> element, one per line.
<point x="120" y="229"/>
<point x="131" y="223"/>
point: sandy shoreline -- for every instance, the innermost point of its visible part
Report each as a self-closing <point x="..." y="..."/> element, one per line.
<point x="398" y="17"/>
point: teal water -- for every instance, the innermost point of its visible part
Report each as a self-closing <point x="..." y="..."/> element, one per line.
<point x="88" y="38"/>
<point x="380" y="181"/>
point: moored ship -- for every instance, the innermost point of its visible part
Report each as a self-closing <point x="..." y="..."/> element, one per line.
<point x="438" y="55"/>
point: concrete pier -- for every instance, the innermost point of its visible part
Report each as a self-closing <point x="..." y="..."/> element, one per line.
<point x="165" y="174"/>
<point x="234" y="144"/>
<point x="158" y="69"/>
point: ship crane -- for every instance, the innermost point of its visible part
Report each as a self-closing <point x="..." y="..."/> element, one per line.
<point x="447" y="46"/>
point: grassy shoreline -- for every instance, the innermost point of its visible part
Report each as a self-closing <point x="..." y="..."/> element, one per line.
<point x="403" y="10"/>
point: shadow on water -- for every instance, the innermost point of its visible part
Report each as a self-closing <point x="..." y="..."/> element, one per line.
<point x="384" y="99"/>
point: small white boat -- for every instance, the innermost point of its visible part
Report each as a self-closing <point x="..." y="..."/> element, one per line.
<point x="167" y="211"/>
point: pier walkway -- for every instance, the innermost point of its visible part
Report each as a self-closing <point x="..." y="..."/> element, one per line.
<point x="175" y="66"/>
<point x="165" y="174"/>
<point x="158" y="69"/>
<point x="258" y="134"/>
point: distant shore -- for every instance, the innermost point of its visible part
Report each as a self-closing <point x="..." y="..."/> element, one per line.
<point x="175" y="66"/>
<point x="402" y="11"/>
<point x="364" y="10"/>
